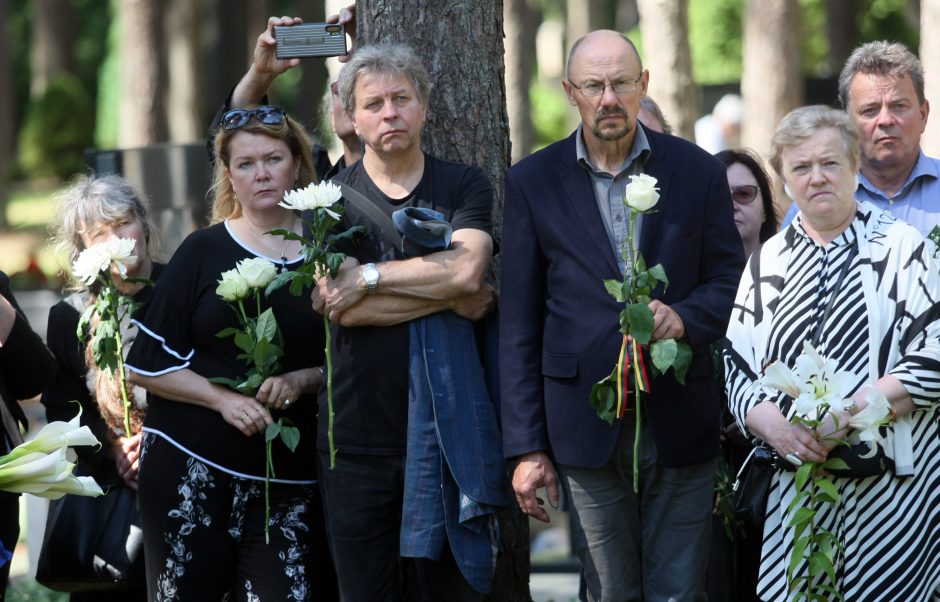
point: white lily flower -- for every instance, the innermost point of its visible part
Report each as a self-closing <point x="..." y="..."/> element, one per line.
<point x="98" y="258"/>
<point x="780" y="378"/>
<point x="86" y="486"/>
<point x="868" y="420"/>
<point x="314" y="196"/>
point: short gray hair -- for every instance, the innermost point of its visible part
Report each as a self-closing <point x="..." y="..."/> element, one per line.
<point x="98" y="198"/>
<point x="881" y="58"/>
<point x="800" y="124"/>
<point x="387" y="59"/>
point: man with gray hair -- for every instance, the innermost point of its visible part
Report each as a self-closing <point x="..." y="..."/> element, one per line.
<point x="882" y="90"/>
<point x="419" y="464"/>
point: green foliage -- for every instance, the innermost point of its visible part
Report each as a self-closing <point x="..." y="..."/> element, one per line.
<point x="715" y="40"/>
<point x="109" y="90"/>
<point x="886" y="20"/>
<point x="57" y="130"/>
<point x="549" y="113"/>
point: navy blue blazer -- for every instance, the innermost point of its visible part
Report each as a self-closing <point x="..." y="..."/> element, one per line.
<point x="559" y="327"/>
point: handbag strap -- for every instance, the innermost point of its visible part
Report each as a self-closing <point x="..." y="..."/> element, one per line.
<point x="387" y="230"/>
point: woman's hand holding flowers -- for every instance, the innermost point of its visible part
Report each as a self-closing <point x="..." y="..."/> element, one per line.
<point x="280" y="392"/>
<point x="244" y="413"/>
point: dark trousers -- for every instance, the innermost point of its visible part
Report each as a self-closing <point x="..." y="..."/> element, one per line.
<point x="362" y="500"/>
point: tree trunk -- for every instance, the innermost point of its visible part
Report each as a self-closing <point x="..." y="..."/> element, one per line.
<point x="930" y="57"/>
<point x="665" y="27"/>
<point x="229" y="53"/>
<point x="142" y="113"/>
<point x="313" y="79"/>
<point x="842" y="31"/>
<point x="52" y="46"/>
<point x="771" y="82"/>
<point x="183" y="56"/>
<point x="522" y="19"/>
<point x="7" y="129"/>
<point x="467" y="122"/>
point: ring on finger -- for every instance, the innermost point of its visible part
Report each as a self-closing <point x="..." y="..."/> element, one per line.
<point x="244" y="415"/>
<point x="287" y="402"/>
<point x="794" y="458"/>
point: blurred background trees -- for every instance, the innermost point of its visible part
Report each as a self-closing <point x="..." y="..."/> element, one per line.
<point x="77" y="74"/>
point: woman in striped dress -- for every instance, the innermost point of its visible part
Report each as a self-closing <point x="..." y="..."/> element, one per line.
<point x="882" y="327"/>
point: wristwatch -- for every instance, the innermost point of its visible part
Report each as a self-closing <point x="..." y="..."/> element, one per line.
<point x="370" y="274"/>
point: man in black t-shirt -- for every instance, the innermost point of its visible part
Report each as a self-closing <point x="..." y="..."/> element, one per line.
<point x="385" y="89"/>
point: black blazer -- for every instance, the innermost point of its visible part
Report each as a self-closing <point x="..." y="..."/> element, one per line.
<point x="559" y="327"/>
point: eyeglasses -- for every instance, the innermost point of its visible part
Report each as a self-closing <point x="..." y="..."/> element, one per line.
<point x="266" y="114"/>
<point x="744" y="195"/>
<point x="592" y="88"/>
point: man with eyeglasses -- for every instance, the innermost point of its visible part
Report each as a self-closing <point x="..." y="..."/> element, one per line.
<point x="882" y="90"/>
<point x="564" y="224"/>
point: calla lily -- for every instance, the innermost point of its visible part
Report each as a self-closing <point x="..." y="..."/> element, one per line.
<point x="40" y="466"/>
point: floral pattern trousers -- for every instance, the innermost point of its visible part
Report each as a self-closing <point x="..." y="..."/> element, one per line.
<point x="204" y="532"/>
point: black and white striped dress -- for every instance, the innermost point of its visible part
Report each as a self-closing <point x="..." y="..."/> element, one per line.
<point x="884" y="321"/>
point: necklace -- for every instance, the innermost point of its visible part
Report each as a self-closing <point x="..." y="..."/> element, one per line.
<point x="263" y="238"/>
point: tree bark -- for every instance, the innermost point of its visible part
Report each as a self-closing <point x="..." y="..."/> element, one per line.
<point x="52" y="46"/>
<point x="142" y="113"/>
<point x="461" y="44"/>
<point x="665" y="28"/>
<point x="522" y="19"/>
<point x="842" y="31"/>
<point x="930" y="57"/>
<point x="183" y="99"/>
<point x="7" y="129"/>
<point x="771" y="82"/>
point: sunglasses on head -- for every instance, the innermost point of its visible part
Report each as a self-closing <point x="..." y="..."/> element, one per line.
<point x="266" y="114"/>
<point x="744" y="195"/>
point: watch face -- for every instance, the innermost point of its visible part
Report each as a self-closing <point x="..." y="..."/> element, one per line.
<point x="370" y="274"/>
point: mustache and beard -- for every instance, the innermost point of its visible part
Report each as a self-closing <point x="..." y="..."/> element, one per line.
<point x="610" y="132"/>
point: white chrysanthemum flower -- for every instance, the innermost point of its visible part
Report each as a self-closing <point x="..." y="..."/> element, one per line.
<point x="98" y="258"/>
<point x="314" y="196"/>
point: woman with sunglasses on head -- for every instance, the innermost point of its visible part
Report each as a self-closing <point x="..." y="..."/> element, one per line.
<point x="755" y="214"/>
<point x="202" y="471"/>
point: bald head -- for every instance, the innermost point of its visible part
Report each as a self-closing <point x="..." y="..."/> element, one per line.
<point x="602" y="44"/>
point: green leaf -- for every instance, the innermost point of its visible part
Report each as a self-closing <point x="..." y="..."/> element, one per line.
<point x="802" y="475"/>
<point x="642" y="280"/>
<point x="285" y="277"/>
<point x="227" y="332"/>
<point x="829" y="490"/>
<point x="267" y="326"/>
<point x="231" y="383"/>
<point x="683" y="361"/>
<point x="663" y="353"/>
<point x="272" y="431"/>
<point x="818" y="563"/>
<point x="290" y="436"/>
<point x="613" y="288"/>
<point x="333" y="261"/>
<point x="640" y="262"/>
<point x="243" y="341"/>
<point x="835" y="464"/>
<point x="802" y="515"/>
<point x="603" y="399"/>
<point x="641" y="322"/>
<point x="83" y="322"/>
<point x="659" y="274"/>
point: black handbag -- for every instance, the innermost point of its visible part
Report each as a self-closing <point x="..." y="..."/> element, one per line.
<point x="753" y="484"/>
<point x="93" y="544"/>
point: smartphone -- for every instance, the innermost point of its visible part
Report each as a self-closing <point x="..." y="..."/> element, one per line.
<point x="309" y="39"/>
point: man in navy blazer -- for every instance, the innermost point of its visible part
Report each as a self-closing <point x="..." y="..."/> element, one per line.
<point x="563" y="225"/>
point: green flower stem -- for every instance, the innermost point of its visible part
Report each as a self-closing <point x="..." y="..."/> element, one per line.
<point x="268" y="465"/>
<point x="632" y="223"/>
<point x="122" y="375"/>
<point x="636" y="385"/>
<point x="329" y="391"/>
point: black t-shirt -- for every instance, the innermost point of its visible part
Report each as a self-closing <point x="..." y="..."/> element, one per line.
<point x="370" y="364"/>
<point x="179" y="323"/>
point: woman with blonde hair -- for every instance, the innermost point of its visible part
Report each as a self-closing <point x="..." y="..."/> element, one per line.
<point x="203" y="465"/>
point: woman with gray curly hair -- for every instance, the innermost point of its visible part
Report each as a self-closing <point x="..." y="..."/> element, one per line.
<point x="92" y="210"/>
